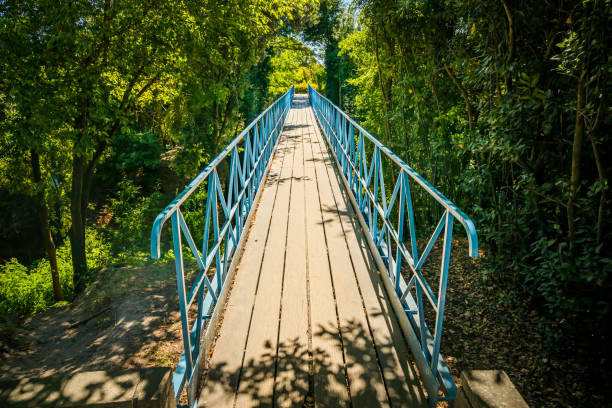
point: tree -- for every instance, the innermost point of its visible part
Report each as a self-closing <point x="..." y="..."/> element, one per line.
<point x="293" y="63"/>
<point x="221" y="50"/>
<point x="332" y="24"/>
<point x="100" y="61"/>
<point x="29" y="114"/>
<point x="500" y="104"/>
<point x="81" y="72"/>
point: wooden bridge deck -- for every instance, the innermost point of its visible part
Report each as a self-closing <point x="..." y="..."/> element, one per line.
<point x="307" y="322"/>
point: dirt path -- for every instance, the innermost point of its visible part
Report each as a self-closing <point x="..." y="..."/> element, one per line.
<point x="126" y="319"/>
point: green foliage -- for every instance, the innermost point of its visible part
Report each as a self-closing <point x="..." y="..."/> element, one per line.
<point x="98" y="250"/>
<point x="501" y="106"/>
<point x="293" y="63"/>
<point x="132" y="216"/>
<point x="256" y="96"/>
<point x="82" y="79"/>
<point x="113" y="97"/>
<point x="135" y="151"/>
<point x="331" y="24"/>
<point x="25" y="291"/>
<point x="22" y="293"/>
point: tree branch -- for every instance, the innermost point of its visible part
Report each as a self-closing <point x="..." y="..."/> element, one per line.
<point x="468" y="105"/>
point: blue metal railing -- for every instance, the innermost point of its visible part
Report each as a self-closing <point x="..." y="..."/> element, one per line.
<point x="367" y="186"/>
<point x="249" y="155"/>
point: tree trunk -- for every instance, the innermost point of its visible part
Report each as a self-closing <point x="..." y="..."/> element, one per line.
<point x="382" y="90"/>
<point x="77" y="232"/>
<point x="510" y="30"/>
<point x="575" y="176"/>
<point x="602" y="196"/>
<point x="434" y="91"/>
<point x="340" y="104"/>
<point x="468" y="105"/>
<point x="45" y="232"/>
<point x="216" y="130"/>
<point x="88" y="176"/>
<point x="600" y="172"/>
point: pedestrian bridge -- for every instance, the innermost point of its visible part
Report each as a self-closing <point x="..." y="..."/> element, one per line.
<point x="308" y="288"/>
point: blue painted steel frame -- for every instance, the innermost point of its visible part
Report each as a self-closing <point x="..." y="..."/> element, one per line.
<point x="368" y="189"/>
<point x="257" y="142"/>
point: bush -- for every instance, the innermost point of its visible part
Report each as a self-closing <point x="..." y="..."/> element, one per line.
<point x="23" y="292"/>
<point x="133" y="214"/>
<point x="26" y="291"/>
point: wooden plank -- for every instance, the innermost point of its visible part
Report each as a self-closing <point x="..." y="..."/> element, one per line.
<point x="365" y="381"/>
<point x="257" y="375"/>
<point x="329" y="374"/>
<point x="291" y="383"/>
<point x="222" y="378"/>
<point x="400" y="377"/>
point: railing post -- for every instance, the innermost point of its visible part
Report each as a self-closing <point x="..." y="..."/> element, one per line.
<point x="246" y="165"/>
<point x="363" y="166"/>
<point x="421" y="316"/>
<point x="352" y="159"/>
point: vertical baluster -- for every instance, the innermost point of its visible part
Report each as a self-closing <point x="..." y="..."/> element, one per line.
<point x="234" y="196"/>
<point x="199" y="322"/>
<point x="339" y="135"/>
<point x="421" y="313"/>
<point x="411" y="225"/>
<point x="230" y="190"/>
<point x="258" y="149"/>
<point x="265" y="138"/>
<point x="256" y="153"/>
<point x="228" y="231"/>
<point x="367" y="198"/>
<point x="344" y="146"/>
<point x="383" y="199"/>
<point x="352" y="159"/>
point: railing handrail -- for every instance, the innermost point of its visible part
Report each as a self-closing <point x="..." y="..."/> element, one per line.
<point x="244" y="182"/>
<point x="467" y="223"/>
<point x="166" y="213"/>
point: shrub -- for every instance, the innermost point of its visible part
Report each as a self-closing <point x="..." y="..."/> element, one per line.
<point x="26" y="291"/>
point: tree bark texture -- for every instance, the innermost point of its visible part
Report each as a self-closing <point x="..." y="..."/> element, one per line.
<point x="466" y="99"/>
<point x="45" y="231"/>
<point x="575" y="172"/>
<point x="77" y="232"/>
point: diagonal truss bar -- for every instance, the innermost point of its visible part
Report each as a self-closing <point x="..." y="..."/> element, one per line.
<point x="202" y="275"/>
